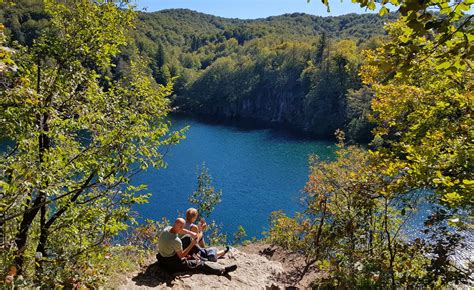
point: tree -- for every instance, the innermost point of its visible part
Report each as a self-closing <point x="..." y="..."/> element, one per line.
<point x="320" y="49"/>
<point x="356" y="215"/>
<point x="239" y="234"/>
<point x="423" y="82"/>
<point x="424" y="114"/>
<point x="422" y="106"/>
<point x="205" y="197"/>
<point x="160" y="69"/>
<point x="160" y="58"/>
<point x="329" y="82"/>
<point x="358" y="112"/>
<point x="78" y="137"/>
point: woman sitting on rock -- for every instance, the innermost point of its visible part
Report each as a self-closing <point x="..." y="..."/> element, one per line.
<point x="206" y="253"/>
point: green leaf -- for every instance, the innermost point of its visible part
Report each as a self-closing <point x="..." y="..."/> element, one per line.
<point x="443" y="65"/>
<point x="371" y="5"/>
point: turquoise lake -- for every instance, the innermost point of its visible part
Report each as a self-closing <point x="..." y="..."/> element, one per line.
<point x="259" y="171"/>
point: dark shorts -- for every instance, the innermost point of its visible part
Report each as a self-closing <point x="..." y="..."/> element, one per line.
<point x="206" y="253"/>
<point x="175" y="264"/>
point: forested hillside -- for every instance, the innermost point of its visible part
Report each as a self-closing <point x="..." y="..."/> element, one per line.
<point x="296" y="70"/>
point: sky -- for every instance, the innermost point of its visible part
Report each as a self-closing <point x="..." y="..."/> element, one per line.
<point x="251" y="9"/>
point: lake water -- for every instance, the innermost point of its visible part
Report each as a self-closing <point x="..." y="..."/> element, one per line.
<point x="259" y="171"/>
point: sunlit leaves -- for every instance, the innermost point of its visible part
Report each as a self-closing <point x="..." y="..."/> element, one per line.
<point x="99" y="132"/>
<point x="205" y="198"/>
<point x="451" y="27"/>
<point x="384" y="10"/>
<point x="424" y="108"/>
<point x="354" y="213"/>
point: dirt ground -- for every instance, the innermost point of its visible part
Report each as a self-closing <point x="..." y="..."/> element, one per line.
<point x="260" y="266"/>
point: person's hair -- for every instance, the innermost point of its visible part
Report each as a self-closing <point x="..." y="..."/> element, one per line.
<point x="191" y="213"/>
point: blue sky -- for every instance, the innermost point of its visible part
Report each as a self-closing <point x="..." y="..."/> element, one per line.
<point x="249" y="9"/>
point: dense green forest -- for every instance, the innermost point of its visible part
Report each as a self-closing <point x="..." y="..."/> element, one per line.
<point x="294" y="70"/>
<point x="83" y="112"/>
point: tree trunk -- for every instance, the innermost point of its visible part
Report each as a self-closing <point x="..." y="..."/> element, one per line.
<point x="389" y="245"/>
<point x="45" y="226"/>
<point x="22" y="236"/>
<point x="320" y="228"/>
<point x="38" y="204"/>
<point x="42" y="239"/>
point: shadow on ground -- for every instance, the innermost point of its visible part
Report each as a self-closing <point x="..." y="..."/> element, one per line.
<point x="154" y="276"/>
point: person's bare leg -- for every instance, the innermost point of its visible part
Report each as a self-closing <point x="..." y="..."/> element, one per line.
<point x="201" y="243"/>
<point x="221" y="253"/>
<point x="196" y="230"/>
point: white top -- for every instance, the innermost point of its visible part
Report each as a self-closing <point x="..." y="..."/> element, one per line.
<point x="187" y="226"/>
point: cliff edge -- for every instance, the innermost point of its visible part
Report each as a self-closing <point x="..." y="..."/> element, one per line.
<point x="260" y="266"/>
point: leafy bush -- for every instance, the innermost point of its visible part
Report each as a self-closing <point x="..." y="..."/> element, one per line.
<point x="206" y="198"/>
<point x="239" y="235"/>
<point x="353" y="227"/>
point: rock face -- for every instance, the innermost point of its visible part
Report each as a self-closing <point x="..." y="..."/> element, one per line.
<point x="319" y="117"/>
<point x="260" y="266"/>
<point x="280" y="110"/>
<point x="254" y="271"/>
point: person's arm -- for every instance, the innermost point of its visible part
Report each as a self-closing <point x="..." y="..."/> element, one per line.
<point x="195" y="229"/>
<point x="182" y="254"/>
<point x="202" y="224"/>
<point x="188" y="232"/>
<point x="200" y="228"/>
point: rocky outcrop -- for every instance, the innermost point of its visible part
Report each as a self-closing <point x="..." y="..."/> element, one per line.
<point x="260" y="266"/>
<point x="278" y="109"/>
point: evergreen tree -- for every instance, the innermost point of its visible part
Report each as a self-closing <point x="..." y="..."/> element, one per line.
<point x="322" y="45"/>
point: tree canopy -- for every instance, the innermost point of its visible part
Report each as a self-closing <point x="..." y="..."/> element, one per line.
<point x="208" y="53"/>
<point x="77" y="137"/>
<point x="421" y="79"/>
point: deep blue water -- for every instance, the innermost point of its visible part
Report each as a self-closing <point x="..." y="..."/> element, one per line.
<point x="259" y="171"/>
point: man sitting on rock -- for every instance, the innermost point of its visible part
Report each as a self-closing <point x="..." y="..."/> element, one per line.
<point x="172" y="257"/>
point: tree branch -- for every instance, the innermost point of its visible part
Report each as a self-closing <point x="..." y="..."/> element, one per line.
<point x="73" y="199"/>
